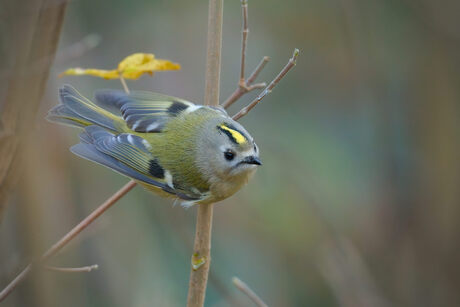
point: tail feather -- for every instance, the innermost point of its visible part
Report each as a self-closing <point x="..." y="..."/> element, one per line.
<point x="76" y="110"/>
<point x="62" y="114"/>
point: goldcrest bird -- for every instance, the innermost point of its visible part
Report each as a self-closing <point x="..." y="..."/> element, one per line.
<point x="172" y="147"/>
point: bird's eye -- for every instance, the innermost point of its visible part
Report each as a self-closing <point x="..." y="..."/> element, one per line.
<point x="229" y="155"/>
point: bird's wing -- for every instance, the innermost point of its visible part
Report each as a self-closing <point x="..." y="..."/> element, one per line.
<point x="144" y="111"/>
<point x="129" y="155"/>
<point x="76" y="110"/>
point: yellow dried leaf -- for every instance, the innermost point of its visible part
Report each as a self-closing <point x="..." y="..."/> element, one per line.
<point x="132" y="67"/>
<point x="137" y="64"/>
<point x="106" y="74"/>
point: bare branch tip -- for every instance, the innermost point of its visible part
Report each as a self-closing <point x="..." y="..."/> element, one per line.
<point x="243" y="287"/>
<point x="93" y="267"/>
<point x="236" y="281"/>
<point x="85" y="269"/>
<point x="295" y="54"/>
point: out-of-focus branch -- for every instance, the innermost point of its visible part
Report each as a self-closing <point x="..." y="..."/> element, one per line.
<point x="348" y="276"/>
<point x="201" y="257"/>
<point x="84" y="269"/>
<point x="73" y="233"/>
<point x="33" y="33"/>
<point x="78" y="49"/>
<point x="123" y="83"/>
<point x="269" y="88"/>
<point x="244" y="39"/>
<point x="243" y="287"/>
<point x="69" y="236"/>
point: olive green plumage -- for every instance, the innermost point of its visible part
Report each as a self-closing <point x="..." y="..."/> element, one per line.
<point x="171" y="146"/>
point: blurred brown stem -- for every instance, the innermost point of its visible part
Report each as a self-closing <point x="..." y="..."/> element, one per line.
<point x="69" y="236"/>
<point x="269" y="88"/>
<point x="201" y="257"/>
<point x="32" y="30"/>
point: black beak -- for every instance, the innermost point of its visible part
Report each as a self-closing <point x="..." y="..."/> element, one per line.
<point x="252" y="160"/>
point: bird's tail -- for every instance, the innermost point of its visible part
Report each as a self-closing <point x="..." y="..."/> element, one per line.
<point x="76" y="110"/>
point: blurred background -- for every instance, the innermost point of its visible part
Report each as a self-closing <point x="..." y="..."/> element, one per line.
<point x="358" y="200"/>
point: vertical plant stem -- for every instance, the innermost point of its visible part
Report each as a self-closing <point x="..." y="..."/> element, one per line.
<point x="201" y="258"/>
<point x="213" y="52"/>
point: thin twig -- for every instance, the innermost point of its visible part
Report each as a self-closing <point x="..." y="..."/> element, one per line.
<point x="244" y="39"/>
<point x="243" y="287"/>
<point x="240" y="90"/>
<point x="245" y="86"/>
<point x="257" y="71"/>
<point x="69" y="236"/>
<point x="123" y="82"/>
<point x="269" y="88"/>
<point x="201" y="257"/>
<point x="84" y="269"/>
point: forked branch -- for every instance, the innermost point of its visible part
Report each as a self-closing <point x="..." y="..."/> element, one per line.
<point x="245" y="86"/>
<point x="269" y="88"/>
<point x="248" y="86"/>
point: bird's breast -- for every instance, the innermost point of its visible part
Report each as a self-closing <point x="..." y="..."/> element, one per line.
<point x="221" y="189"/>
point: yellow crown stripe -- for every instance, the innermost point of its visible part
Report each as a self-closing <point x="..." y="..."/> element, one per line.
<point x="240" y="139"/>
